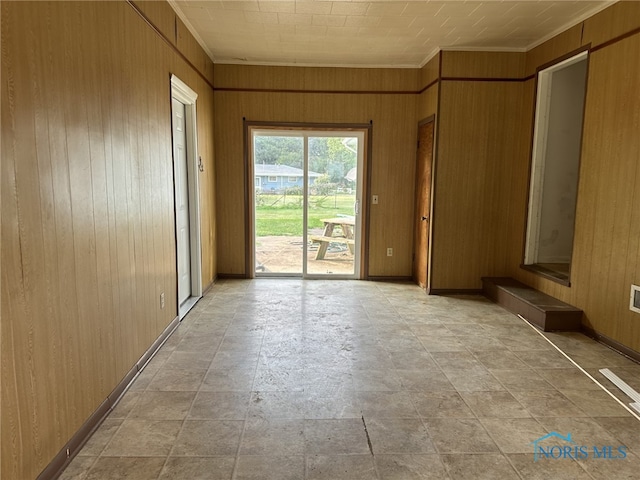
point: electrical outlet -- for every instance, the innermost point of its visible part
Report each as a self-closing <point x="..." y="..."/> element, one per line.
<point x="374" y="199"/>
<point x="389" y="252"/>
<point x="634" y="302"/>
<point x="162" y="300"/>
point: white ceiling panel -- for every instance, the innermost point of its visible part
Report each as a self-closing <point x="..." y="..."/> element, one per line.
<point x="371" y="33"/>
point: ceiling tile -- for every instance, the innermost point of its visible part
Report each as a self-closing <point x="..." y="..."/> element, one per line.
<point x="371" y="33"/>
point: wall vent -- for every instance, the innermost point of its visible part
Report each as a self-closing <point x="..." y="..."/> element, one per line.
<point x="634" y="302"/>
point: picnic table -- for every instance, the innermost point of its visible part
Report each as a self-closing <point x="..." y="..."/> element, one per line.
<point x="346" y="237"/>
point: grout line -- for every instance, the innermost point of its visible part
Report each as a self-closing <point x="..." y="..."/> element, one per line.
<point x="582" y="369"/>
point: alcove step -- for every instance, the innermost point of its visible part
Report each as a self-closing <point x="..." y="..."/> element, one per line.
<point x="545" y="312"/>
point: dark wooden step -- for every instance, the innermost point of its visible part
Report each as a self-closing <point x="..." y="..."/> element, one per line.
<point x="547" y="313"/>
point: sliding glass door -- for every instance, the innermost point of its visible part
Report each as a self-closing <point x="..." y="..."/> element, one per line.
<point x="306" y="204"/>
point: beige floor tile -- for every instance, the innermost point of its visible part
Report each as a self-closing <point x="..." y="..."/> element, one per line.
<point x="387" y="404"/>
<point x="567" y="379"/>
<point x="494" y="404"/>
<point x="459" y="435"/>
<point x="332" y="405"/>
<point x="410" y="467"/>
<point x="624" y="429"/>
<point x="476" y="380"/>
<point x="545" y="469"/>
<point x="182" y="360"/>
<point x="514" y="435"/>
<point x="273" y="437"/>
<point x="584" y="430"/>
<point x="596" y="403"/>
<point x="398" y="436"/>
<point x="116" y="468"/>
<point x="228" y="380"/>
<point x="220" y="406"/>
<point x="272" y="405"/>
<point x="208" y="437"/>
<point x="265" y="379"/>
<point x="126" y="403"/>
<point x="441" y="404"/>
<point x="607" y="469"/>
<point x="143" y="438"/>
<point x="198" y="468"/>
<point x="376" y="380"/>
<point x="78" y="469"/>
<point x="163" y="405"/>
<point x="270" y="467"/>
<point x="479" y="467"/>
<point x="95" y="445"/>
<point x="521" y="379"/>
<point x="547" y="403"/>
<point x="177" y="380"/>
<point x="500" y="360"/>
<point x="432" y="379"/>
<point x="335" y="437"/>
<point x="340" y="467"/>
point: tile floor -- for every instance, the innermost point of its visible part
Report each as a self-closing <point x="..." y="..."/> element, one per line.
<point x="291" y="379"/>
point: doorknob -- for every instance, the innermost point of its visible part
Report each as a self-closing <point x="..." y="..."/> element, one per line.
<point x="424" y="218"/>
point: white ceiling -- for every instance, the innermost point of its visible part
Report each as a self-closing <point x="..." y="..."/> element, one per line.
<point x="371" y="33"/>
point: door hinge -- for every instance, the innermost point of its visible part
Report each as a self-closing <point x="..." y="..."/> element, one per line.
<point x="418" y="144"/>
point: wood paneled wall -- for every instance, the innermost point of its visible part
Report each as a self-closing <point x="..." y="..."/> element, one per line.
<point x="481" y="172"/>
<point x="489" y="65"/>
<point x="88" y="241"/>
<point x="606" y="256"/>
<point x="393" y="152"/>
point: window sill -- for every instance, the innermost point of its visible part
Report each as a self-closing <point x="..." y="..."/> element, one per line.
<point x="554" y="276"/>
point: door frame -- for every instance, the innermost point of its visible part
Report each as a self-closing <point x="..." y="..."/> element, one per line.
<point x="424" y="121"/>
<point x="366" y="129"/>
<point x="185" y="95"/>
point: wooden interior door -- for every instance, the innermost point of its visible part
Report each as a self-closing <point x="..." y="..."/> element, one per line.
<point x="424" y="165"/>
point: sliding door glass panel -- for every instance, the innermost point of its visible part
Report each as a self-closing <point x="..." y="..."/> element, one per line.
<point x="279" y="198"/>
<point x="332" y="173"/>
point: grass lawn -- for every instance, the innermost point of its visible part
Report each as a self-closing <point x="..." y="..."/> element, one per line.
<point x="277" y="218"/>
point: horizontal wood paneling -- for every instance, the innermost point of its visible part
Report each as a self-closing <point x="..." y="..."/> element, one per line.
<point x="483" y="64"/>
<point x="316" y="78"/>
<point x="88" y="241"/>
<point x="606" y="257"/>
<point x="481" y="174"/>
<point x="619" y="19"/>
<point x="393" y="164"/>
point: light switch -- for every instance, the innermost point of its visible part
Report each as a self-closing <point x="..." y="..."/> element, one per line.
<point x="374" y="199"/>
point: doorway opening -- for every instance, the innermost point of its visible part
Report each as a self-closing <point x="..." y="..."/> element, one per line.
<point x="306" y="207"/>
<point x="186" y="190"/>
<point x="555" y="164"/>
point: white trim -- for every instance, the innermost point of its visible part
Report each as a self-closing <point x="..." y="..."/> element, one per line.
<point x="185" y="95"/>
<point x="232" y="61"/>
<point x="538" y="155"/>
<point x="430" y="57"/>
<point x="176" y="8"/>
<point x="462" y="48"/>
